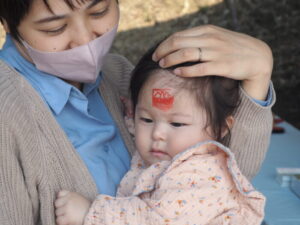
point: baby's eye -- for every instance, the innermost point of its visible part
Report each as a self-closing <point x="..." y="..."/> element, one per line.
<point x="146" y="120"/>
<point x="175" y="124"/>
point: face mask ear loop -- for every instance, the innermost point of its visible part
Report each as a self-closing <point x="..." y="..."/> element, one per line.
<point x="23" y="47"/>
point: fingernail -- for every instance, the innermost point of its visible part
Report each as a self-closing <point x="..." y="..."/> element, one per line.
<point x="177" y="71"/>
<point x="154" y="57"/>
<point x="162" y="63"/>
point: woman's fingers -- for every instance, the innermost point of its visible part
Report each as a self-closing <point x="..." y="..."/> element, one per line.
<point x="181" y="56"/>
<point x="203" y="69"/>
<point x="200" y="30"/>
<point x="200" y="36"/>
<point x="195" y="54"/>
<point x="223" y="53"/>
<point x="175" y="43"/>
<point x="190" y="49"/>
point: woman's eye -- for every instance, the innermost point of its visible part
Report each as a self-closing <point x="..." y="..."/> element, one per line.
<point x="146" y="120"/>
<point x="55" y="31"/>
<point x="99" y="13"/>
<point x="175" y="124"/>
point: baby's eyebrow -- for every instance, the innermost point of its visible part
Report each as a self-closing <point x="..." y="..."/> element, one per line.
<point x="181" y="114"/>
<point x="141" y="108"/>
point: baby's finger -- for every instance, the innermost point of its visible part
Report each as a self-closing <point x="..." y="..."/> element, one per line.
<point x="60" y="202"/>
<point x="62" y="193"/>
<point x="61" y="220"/>
<point x="60" y="211"/>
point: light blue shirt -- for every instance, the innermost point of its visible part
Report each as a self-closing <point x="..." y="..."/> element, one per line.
<point x="268" y="100"/>
<point x="84" y="118"/>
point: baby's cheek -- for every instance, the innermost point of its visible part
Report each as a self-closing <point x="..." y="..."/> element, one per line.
<point x="186" y="140"/>
<point x="179" y="145"/>
<point x="142" y="138"/>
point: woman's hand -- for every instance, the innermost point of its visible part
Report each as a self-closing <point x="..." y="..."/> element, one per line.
<point x="221" y="52"/>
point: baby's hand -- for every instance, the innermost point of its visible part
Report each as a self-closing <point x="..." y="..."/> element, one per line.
<point x="71" y="208"/>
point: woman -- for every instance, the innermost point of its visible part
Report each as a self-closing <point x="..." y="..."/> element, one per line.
<point x="61" y="118"/>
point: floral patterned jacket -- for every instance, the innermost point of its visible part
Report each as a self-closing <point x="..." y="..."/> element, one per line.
<point x="201" y="185"/>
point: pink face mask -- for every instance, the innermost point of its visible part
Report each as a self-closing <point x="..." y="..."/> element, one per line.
<point x="81" y="64"/>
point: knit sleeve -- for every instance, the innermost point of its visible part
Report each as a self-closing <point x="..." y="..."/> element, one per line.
<point x="18" y="205"/>
<point x="15" y="204"/>
<point x="251" y="132"/>
<point x="118" y="69"/>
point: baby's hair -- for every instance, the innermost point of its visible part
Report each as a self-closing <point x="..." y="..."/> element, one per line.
<point x="218" y="96"/>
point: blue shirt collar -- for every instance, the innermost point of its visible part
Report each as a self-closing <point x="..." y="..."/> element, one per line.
<point x="55" y="91"/>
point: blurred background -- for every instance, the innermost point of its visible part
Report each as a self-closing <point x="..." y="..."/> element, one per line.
<point x="277" y="22"/>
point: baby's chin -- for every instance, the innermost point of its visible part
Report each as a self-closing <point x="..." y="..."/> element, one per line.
<point x="149" y="163"/>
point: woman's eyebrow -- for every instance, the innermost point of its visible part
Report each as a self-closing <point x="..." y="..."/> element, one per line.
<point x="50" y="18"/>
<point x="93" y="3"/>
<point x="59" y="17"/>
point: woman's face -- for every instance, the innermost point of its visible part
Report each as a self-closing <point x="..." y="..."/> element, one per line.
<point x="67" y="28"/>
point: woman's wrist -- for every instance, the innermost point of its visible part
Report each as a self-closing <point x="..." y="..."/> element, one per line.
<point x="257" y="86"/>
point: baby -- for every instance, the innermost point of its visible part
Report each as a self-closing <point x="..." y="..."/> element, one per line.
<point x="181" y="172"/>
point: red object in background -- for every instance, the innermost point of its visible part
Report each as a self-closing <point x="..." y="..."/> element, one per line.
<point x="276" y="129"/>
<point x="278" y="120"/>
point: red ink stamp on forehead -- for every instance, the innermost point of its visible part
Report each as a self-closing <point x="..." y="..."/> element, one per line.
<point x="162" y="99"/>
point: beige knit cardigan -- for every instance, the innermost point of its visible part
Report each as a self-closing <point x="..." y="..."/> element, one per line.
<point x="37" y="159"/>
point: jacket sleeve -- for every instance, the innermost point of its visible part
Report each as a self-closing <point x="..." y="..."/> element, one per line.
<point x="251" y="132"/>
<point x="15" y="202"/>
<point x="184" y="196"/>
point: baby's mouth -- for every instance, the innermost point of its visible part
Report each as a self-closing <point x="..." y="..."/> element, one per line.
<point x="158" y="153"/>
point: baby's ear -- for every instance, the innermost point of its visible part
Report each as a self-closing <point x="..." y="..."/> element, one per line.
<point x="128" y="107"/>
<point x="229" y="123"/>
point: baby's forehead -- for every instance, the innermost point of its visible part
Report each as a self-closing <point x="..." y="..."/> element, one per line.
<point x="164" y="84"/>
<point x="164" y="79"/>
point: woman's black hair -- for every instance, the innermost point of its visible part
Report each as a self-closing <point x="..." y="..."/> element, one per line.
<point x="13" y="11"/>
<point x="219" y="96"/>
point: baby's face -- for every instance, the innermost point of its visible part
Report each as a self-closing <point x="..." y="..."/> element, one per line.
<point x="168" y="119"/>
